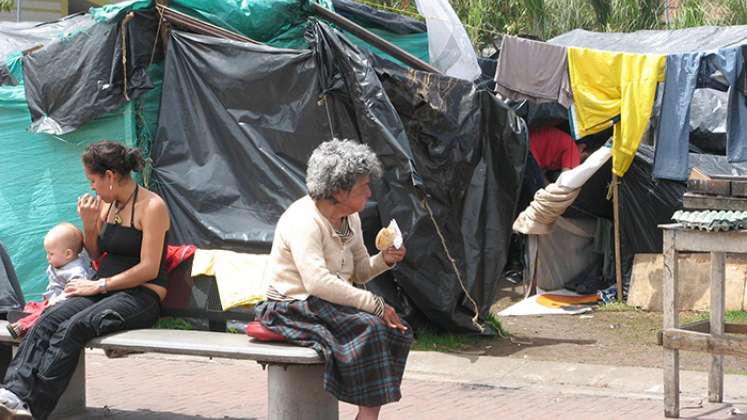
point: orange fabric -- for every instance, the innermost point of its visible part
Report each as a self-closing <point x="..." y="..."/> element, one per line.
<point x="557" y="301"/>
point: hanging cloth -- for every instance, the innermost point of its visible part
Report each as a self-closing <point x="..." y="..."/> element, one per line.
<point x="533" y="70"/>
<point x="610" y="84"/>
<point x="685" y="72"/>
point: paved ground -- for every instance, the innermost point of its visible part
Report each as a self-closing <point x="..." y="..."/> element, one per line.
<point x="436" y="386"/>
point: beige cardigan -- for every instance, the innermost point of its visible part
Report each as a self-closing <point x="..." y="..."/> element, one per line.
<point x="309" y="258"/>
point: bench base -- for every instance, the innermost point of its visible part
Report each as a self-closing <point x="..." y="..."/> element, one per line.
<point x="296" y="392"/>
<point x="295" y="374"/>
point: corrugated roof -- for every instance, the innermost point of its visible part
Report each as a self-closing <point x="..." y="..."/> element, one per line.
<point x="712" y="220"/>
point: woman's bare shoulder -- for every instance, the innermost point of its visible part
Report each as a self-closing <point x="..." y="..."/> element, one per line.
<point x="155" y="207"/>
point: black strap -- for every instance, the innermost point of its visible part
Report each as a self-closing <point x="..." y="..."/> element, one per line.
<point x="134" y="200"/>
<point x="106" y="218"/>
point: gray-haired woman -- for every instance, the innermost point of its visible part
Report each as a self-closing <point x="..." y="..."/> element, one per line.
<point x="317" y="255"/>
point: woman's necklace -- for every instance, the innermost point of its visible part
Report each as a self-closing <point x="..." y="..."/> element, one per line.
<point x="117" y="219"/>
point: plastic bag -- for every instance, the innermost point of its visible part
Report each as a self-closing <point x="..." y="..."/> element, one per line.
<point x="449" y="47"/>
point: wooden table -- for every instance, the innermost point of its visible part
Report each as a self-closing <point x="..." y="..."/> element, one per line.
<point x="705" y="336"/>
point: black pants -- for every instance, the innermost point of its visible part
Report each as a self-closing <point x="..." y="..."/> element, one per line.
<point x="48" y="355"/>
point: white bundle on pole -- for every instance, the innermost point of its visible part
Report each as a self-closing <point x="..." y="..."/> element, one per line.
<point x="449" y="46"/>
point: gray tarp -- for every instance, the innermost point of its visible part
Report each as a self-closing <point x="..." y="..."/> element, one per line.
<point x="702" y="38"/>
<point x="24" y="35"/>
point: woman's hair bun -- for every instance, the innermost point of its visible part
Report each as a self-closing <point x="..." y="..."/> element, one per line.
<point x="134" y="159"/>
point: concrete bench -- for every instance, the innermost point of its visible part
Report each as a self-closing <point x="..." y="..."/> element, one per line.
<point x="295" y="374"/>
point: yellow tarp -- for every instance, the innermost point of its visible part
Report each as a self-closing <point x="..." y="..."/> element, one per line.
<point x="606" y="84"/>
<point x="240" y="277"/>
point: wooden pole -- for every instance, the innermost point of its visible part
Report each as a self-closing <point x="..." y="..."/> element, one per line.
<point x="616" y="217"/>
<point x="373" y="39"/>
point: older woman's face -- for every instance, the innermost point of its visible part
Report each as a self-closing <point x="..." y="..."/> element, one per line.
<point x="355" y="200"/>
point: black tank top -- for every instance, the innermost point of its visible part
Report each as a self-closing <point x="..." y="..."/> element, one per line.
<point x="122" y="245"/>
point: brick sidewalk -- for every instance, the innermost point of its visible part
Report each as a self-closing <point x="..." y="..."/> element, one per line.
<point x="153" y="387"/>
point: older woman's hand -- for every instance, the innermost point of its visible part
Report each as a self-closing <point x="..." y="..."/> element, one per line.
<point x="392" y="319"/>
<point x="393" y="255"/>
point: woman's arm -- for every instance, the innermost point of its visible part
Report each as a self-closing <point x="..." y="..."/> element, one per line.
<point x="365" y="266"/>
<point x="91" y="209"/>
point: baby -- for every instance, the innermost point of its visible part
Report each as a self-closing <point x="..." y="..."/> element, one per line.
<point x="67" y="261"/>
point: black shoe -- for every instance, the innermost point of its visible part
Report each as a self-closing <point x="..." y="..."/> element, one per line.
<point x="7" y="413"/>
<point x="514" y="277"/>
<point x="15" y="330"/>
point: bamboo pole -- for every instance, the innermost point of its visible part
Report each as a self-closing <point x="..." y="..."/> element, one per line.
<point x="616" y="217"/>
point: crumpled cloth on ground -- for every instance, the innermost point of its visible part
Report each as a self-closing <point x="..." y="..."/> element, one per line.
<point x="548" y="204"/>
<point x="240" y="277"/>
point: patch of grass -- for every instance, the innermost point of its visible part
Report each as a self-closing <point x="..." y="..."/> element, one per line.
<point x="616" y="306"/>
<point x="738" y="317"/>
<point x="169" y="323"/>
<point x="234" y="330"/>
<point x="494" y="322"/>
<point x="429" y="340"/>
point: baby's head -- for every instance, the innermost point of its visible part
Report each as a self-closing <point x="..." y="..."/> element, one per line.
<point x="63" y="243"/>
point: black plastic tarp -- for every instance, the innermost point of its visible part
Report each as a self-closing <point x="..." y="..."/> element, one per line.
<point x="11" y="297"/>
<point x="6" y="78"/>
<point x="88" y="78"/>
<point x="238" y="123"/>
<point x="372" y="17"/>
<point x="470" y="151"/>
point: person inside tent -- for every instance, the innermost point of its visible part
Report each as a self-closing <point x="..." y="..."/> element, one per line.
<point x="555" y="151"/>
<point x="552" y="151"/>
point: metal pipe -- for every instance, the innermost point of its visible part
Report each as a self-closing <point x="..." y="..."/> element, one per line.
<point x="18" y="10"/>
<point x="196" y="25"/>
<point x="373" y="39"/>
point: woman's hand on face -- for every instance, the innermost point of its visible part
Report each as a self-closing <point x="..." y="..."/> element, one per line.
<point x="392" y="319"/>
<point x="81" y="287"/>
<point x="89" y="208"/>
<point x="393" y="255"/>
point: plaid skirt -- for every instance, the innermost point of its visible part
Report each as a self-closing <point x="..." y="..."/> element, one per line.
<point x="364" y="359"/>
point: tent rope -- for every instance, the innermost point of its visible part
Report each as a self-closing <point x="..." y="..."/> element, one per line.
<point x="453" y="264"/>
<point x="329" y="115"/>
<point x="156" y="39"/>
<point x="123" y="34"/>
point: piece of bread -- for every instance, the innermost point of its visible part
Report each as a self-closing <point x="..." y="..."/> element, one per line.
<point x="385" y="238"/>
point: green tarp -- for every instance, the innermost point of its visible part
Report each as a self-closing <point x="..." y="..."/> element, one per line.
<point x="41" y="178"/>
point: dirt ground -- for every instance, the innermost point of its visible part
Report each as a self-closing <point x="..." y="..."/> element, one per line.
<point x="624" y="338"/>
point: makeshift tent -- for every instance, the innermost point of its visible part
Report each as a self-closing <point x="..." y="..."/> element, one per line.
<point x="237" y="122"/>
<point x="229" y="164"/>
<point x="705" y="58"/>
